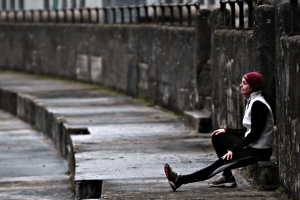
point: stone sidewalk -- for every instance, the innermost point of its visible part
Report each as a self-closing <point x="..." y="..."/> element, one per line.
<point x="115" y="146"/>
<point x="30" y="167"/>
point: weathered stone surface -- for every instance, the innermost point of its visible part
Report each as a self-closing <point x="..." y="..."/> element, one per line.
<point x="127" y="145"/>
<point x="288" y="101"/>
<point x="265" y="174"/>
<point x="30" y="166"/>
<point x="110" y="55"/>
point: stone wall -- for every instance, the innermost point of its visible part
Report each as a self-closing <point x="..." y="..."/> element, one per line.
<point x="288" y="101"/>
<point x="235" y="53"/>
<point x="157" y="62"/>
<point x="270" y="50"/>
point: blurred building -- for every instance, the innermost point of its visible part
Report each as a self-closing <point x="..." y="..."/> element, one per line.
<point x="40" y="4"/>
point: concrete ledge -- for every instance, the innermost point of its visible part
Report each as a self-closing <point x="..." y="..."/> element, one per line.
<point x="264" y="174"/>
<point x="197" y="120"/>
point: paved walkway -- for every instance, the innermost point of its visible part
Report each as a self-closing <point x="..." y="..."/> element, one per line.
<point x="120" y="145"/>
<point x="30" y="166"/>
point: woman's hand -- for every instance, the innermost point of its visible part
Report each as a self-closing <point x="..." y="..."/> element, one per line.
<point x="228" y="155"/>
<point x="217" y="132"/>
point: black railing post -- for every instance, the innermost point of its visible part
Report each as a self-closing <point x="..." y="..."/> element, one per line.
<point x="122" y="14"/>
<point x="56" y="15"/>
<point x="32" y="15"/>
<point x="146" y="13"/>
<point x="155" y="13"/>
<point x="40" y="15"/>
<point x="232" y="9"/>
<point x="48" y="15"/>
<point x="172" y="14"/>
<point x="23" y="15"/>
<point x="250" y="14"/>
<point x="294" y="10"/>
<point x="241" y="17"/>
<point x="97" y="15"/>
<point x="65" y="15"/>
<point x="130" y="15"/>
<point x="223" y="11"/>
<point x="81" y="15"/>
<point x="15" y="15"/>
<point x="73" y="15"/>
<point x="89" y="15"/>
<point x="180" y="14"/>
<point x="162" y="8"/>
<point x="138" y="15"/>
<point x="105" y="15"/>
<point x="188" y="7"/>
<point x="114" y="15"/>
<point x="7" y="16"/>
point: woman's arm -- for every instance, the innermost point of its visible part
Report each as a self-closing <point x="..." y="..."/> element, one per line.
<point x="259" y="114"/>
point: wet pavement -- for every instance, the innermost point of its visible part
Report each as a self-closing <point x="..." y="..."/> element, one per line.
<point x="120" y="142"/>
<point x="30" y="166"/>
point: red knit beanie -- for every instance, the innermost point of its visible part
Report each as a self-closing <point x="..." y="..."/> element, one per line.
<point x="254" y="79"/>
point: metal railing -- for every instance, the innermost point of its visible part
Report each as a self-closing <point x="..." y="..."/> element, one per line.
<point x="158" y="15"/>
<point x="240" y="4"/>
<point x="294" y="16"/>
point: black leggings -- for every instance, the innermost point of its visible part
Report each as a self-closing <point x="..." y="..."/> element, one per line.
<point x="222" y="143"/>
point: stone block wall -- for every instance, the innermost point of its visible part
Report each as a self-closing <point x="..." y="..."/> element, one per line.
<point x="153" y="61"/>
<point x="235" y="53"/>
<point x="288" y="101"/>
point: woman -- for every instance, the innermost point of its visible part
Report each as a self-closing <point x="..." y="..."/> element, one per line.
<point x="237" y="148"/>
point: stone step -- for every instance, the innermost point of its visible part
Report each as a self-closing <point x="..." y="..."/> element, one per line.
<point x="264" y="174"/>
<point x="199" y="121"/>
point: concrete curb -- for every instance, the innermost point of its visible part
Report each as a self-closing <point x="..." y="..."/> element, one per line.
<point x="39" y="117"/>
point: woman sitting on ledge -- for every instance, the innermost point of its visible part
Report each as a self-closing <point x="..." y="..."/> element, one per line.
<point x="237" y="148"/>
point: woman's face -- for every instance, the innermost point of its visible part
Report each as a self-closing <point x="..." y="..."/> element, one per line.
<point x="245" y="88"/>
